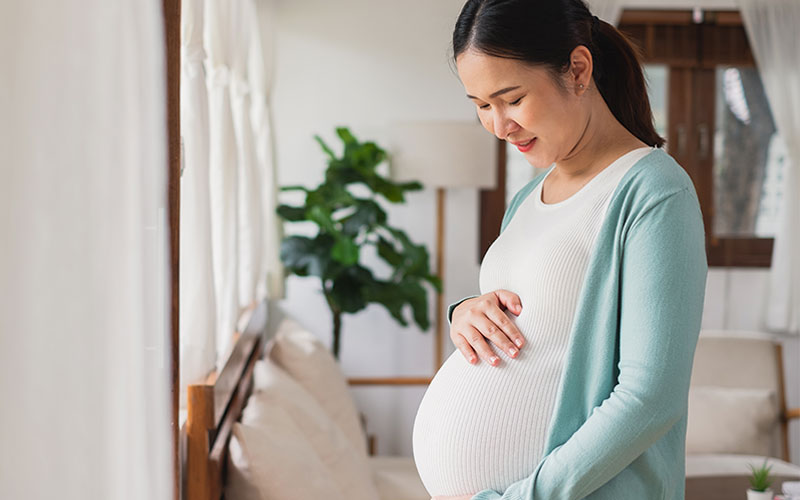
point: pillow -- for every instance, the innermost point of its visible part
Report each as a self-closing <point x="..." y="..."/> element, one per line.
<point x="309" y="362"/>
<point x="731" y="420"/>
<point x="274" y="388"/>
<point x="274" y="461"/>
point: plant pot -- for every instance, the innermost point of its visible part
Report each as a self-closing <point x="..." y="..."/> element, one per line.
<point x="760" y="495"/>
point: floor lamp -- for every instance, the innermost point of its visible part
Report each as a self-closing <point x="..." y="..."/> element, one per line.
<point x="443" y="154"/>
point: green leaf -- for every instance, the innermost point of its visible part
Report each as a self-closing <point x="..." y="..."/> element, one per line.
<point x="388" y="253"/>
<point x="343" y="175"/>
<point x="349" y="290"/>
<point x="347" y="138"/>
<point x="345" y="251"/>
<point x="435" y="281"/>
<point x="411" y="186"/>
<point x="367" y="215"/>
<point x="292" y="214"/>
<point x="322" y="217"/>
<point x="305" y="256"/>
<point x="416" y="295"/>
<point x="416" y="260"/>
<point x="293" y="188"/>
<point x="389" y="190"/>
<point x="388" y="295"/>
<point x="325" y="147"/>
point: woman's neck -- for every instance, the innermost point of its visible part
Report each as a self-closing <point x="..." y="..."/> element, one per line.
<point x="603" y="140"/>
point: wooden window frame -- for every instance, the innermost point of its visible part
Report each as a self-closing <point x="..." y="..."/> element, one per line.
<point x="172" y="58"/>
<point x="692" y="51"/>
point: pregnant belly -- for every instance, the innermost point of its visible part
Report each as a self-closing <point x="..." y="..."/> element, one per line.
<point x="481" y="426"/>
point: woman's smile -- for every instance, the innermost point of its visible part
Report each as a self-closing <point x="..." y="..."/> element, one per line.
<point x="524" y="146"/>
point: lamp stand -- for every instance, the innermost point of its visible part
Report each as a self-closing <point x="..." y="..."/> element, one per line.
<point x="439" y="333"/>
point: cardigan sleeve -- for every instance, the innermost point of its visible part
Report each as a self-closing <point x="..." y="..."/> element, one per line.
<point x="663" y="277"/>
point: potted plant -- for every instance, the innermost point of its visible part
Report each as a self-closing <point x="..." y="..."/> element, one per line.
<point x="759" y="483"/>
<point x="346" y="224"/>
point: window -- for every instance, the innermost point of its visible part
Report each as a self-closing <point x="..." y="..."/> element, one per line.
<point x="708" y="101"/>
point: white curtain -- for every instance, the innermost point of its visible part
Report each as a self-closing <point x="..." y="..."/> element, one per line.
<point x="261" y="66"/>
<point x="84" y="338"/>
<point x="249" y="228"/>
<point x="197" y="302"/>
<point x="218" y="31"/>
<point x="772" y="31"/>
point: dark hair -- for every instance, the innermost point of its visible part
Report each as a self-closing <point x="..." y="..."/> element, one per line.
<point x="544" y="32"/>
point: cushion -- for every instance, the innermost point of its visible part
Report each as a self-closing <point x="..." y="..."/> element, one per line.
<point x="310" y="363"/>
<point x="274" y="388"/>
<point x="397" y="478"/>
<point x="274" y="461"/>
<point x="731" y="420"/>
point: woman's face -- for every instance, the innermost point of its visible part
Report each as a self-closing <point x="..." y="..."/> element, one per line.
<point x="518" y="102"/>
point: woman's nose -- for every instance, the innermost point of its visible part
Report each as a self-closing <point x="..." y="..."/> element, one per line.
<point x="504" y="126"/>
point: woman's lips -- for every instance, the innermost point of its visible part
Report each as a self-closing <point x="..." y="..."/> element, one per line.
<point x="525" y="146"/>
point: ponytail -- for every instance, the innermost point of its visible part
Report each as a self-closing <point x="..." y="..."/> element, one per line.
<point x="545" y="32"/>
<point x="620" y="80"/>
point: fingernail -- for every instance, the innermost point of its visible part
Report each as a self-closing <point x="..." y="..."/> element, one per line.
<point x="512" y="352"/>
<point x="518" y="342"/>
<point x="494" y="359"/>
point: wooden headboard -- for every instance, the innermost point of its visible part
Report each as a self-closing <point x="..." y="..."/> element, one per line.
<point x="214" y="406"/>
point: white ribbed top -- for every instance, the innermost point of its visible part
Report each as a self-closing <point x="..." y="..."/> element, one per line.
<point x="480" y="426"/>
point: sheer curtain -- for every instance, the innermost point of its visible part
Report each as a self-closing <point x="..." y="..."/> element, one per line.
<point x="224" y="179"/>
<point x="261" y="66"/>
<point x="249" y="230"/>
<point x="772" y="31"/>
<point x="197" y="302"/>
<point x="84" y="353"/>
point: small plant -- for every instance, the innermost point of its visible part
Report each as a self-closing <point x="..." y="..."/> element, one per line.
<point x="760" y="479"/>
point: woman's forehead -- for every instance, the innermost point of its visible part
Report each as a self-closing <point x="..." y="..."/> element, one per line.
<point x="482" y="74"/>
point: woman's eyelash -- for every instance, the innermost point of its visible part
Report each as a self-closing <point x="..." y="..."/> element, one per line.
<point x="486" y="106"/>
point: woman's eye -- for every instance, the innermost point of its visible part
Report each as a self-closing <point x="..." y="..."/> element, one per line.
<point x="486" y="106"/>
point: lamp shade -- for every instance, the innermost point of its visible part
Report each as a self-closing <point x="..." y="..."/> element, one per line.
<point x="443" y="154"/>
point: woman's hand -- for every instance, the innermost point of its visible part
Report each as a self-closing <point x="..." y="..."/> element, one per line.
<point x="485" y="316"/>
<point x="460" y="497"/>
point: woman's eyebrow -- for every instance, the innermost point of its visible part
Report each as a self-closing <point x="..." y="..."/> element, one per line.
<point x="499" y="92"/>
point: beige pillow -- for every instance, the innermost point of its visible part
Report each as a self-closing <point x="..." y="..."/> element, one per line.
<point x="309" y="361"/>
<point x="275" y="388"/>
<point x="274" y="461"/>
<point x="731" y="420"/>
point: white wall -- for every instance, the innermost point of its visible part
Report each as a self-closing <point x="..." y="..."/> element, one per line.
<point x="365" y="64"/>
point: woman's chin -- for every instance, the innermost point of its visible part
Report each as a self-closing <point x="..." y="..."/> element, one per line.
<point x="536" y="161"/>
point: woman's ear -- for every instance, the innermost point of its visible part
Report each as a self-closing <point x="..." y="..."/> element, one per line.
<point x="580" y="68"/>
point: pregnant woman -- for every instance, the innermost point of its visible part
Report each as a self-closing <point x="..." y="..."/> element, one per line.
<point x="571" y="375"/>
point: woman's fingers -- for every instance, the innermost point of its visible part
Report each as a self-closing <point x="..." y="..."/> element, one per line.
<point x="463" y="346"/>
<point x="501" y="331"/>
<point x="509" y="300"/>
<point x="483" y="318"/>
<point x="478" y="343"/>
<point x="508" y="330"/>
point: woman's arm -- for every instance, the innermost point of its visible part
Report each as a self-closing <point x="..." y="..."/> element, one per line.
<point x="663" y="282"/>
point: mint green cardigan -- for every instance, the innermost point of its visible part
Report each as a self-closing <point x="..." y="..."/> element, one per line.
<point x="618" y="429"/>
